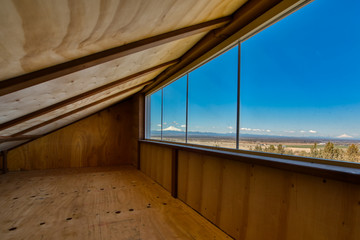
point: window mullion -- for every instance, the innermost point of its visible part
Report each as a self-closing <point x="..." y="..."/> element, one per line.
<point x="238" y="100"/>
<point x="187" y="108"/>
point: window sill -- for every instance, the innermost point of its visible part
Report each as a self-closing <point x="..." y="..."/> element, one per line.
<point x="342" y="171"/>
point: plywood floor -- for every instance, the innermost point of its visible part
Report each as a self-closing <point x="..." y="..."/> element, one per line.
<point x="95" y="203"/>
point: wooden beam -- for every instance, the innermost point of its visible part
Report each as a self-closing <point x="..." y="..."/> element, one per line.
<point x="4" y="161"/>
<point x="17" y="138"/>
<point x="141" y="125"/>
<point x="242" y="17"/>
<point x="82" y="96"/>
<point x="78" y="110"/>
<point x="174" y="173"/>
<point x="47" y="74"/>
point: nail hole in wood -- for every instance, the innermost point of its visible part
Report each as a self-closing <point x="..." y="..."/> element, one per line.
<point x="117" y="212"/>
<point x="42" y="223"/>
<point x="68" y="219"/>
<point x="324" y="180"/>
<point x="12" y="229"/>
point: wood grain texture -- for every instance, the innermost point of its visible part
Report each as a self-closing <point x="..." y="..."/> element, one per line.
<point x="156" y="163"/>
<point x="3" y="162"/>
<point x="77" y="116"/>
<point x="46" y="33"/>
<point x="9" y="145"/>
<point x="17" y="138"/>
<point x="337" y="170"/>
<point x="46" y="94"/>
<point x="95" y="203"/>
<point x="56" y="71"/>
<point x="100" y="90"/>
<point x="100" y="140"/>
<point x="107" y="96"/>
<point x="256" y="202"/>
<point x="84" y="105"/>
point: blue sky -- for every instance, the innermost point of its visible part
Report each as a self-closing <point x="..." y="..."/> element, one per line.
<point x="299" y="77"/>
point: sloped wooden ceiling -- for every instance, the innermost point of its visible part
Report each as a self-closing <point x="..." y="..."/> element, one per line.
<point x="63" y="60"/>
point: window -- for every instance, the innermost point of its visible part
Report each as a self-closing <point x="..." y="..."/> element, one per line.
<point x="299" y="89"/>
<point x="174" y="122"/>
<point x="155" y="106"/>
<point x="213" y="101"/>
<point x="299" y="84"/>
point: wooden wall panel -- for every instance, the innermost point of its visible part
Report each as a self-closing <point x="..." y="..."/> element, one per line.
<point x="255" y="202"/>
<point x="156" y="163"/>
<point x="103" y="139"/>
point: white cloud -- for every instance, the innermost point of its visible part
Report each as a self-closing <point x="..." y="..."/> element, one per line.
<point x="254" y="130"/>
<point x="183" y="126"/>
<point x="159" y="125"/>
<point x="291" y="131"/>
<point x="344" y="136"/>
<point x="164" y="123"/>
<point x="312" y="131"/>
<point x="230" y="127"/>
<point x="171" y="128"/>
<point x="174" y="122"/>
<point x="302" y="131"/>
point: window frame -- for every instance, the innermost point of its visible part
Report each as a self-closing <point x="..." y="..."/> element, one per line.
<point x="259" y="155"/>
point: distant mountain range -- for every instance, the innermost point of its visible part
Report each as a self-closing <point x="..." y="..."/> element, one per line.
<point x="252" y="137"/>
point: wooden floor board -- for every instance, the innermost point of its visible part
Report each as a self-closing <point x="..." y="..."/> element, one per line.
<point x="95" y="203"/>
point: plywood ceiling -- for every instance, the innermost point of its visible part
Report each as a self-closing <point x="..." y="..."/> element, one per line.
<point x="114" y="48"/>
<point x="41" y="33"/>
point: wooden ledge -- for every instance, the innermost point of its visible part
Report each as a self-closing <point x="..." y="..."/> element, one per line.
<point x="347" y="172"/>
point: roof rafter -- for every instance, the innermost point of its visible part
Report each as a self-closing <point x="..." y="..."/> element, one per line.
<point x="18" y="138"/>
<point x="83" y="96"/>
<point x="78" y="110"/>
<point x="47" y="74"/>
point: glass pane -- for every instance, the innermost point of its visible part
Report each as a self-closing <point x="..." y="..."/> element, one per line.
<point x="155" y="115"/>
<point x="300" y="84"/>
<point x="175" y="111"/>
<point x="213" y="102"/>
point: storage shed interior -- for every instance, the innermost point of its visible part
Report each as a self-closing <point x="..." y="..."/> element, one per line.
<point x="75" y="161"/>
